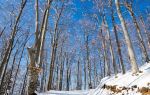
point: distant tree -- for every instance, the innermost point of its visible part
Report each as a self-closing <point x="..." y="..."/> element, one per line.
<point x="79" y="74"/>
<point x="55" y="46"/>
<point x="111" y="48"/>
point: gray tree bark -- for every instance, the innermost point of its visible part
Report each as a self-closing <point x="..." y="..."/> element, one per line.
<point x="111" y="50"/>
<point x="139" y="35"/>
<point x="146" y="32"/>
<point x="54" y="48"/>
<point x="117" y="40"/>
<point x="35" y="52"/>
<point x="134" y="65"/>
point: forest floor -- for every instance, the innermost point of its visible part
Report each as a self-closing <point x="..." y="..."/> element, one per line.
<point x="127" y="84"/>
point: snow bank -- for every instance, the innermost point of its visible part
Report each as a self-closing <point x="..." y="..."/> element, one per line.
<point x="126" y="80"/>
<point x="129" y="80"/>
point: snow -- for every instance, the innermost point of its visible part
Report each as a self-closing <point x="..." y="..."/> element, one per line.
<point x="126" y="80"/>
<point x="75" y="92"/>
<point x="129" y="80"/>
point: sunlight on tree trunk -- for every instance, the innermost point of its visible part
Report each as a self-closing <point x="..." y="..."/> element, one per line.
<point x="127" y="39"/>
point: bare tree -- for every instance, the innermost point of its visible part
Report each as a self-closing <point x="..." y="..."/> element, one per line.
<point x="11" y="40"/>
<point x="54" y="47"/>
<point x="68" y="67"/>
<point x="111" y="48"/>
<point x="61" y="69"/>
<point x="145" y="30"/>
<point x="35" y="52"/>
<point x="79" y="75"/>
<point x="117" y="39"/>
<point x="127" y="39"/>
<point x="140" y="38"/>
<point x="106" y="63"/>
<point x="18" y="66"/>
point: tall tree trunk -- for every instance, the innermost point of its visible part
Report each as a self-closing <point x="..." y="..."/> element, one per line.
<point x="117" y="41"/>
<point x="95" y="81"/>
<point x="88" y="61"/>
<point x="54" y="48"/>
<point x="18" y="66"/>
<point x="2" y="31"/>
<point x="61" y="75"/>
<point x="134" y="65"/>
<point x="68" y="73"/>
<point x="11" y="40"/>
<point x="4" y="85"/>
<point x="53" y="56"/>
<point x="78" y="76"/>
<point x="146" y="32"/>
<point x="2" y="82"/>
<point x="106" y="64"/>
<point x="100" y="64"/>
<point x="57" y="74"/>
<point x="61" y="70"/>
<point x="35" y="52"/>
<point x="23" y="89"/>
<point x="140" y="38"/>
<point x="111" y="48"/>
<point x="43" y="78"/>
<point x="85" y="75"/>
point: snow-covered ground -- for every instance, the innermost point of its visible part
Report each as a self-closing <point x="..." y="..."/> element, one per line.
<point x="76" y="92"/>
<point x="127" y="81"/>
<point x="130" y="84"/>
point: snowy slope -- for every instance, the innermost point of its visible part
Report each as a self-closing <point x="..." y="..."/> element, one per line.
<point x="126" y="84"/>
<point x="125" y="81"/>
<point x="129" y="80"/>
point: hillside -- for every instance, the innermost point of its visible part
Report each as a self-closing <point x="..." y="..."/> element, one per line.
<point x="126" y="84"/>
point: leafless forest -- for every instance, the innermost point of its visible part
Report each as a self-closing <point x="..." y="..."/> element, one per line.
<point x="70" y="44"/>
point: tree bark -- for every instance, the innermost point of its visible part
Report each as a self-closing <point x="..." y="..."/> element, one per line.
<point x="85" y="75"/>
<point x="61" y="70"/>
<point x="106" y="64"/>
<point x="134" y="65"/>
<point x="146" y="32"/>
<point x="35" y="52"/>
<point x="54" y="49"/>
<point x="139" y="35"/>
<point x="88" y="61"/>
<point x="111" y="49"/>
<point x="11" y="40"/>
<point x="18" y="66"/>
<point x="117" y="41"/>
<point x="78" y="76"/>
